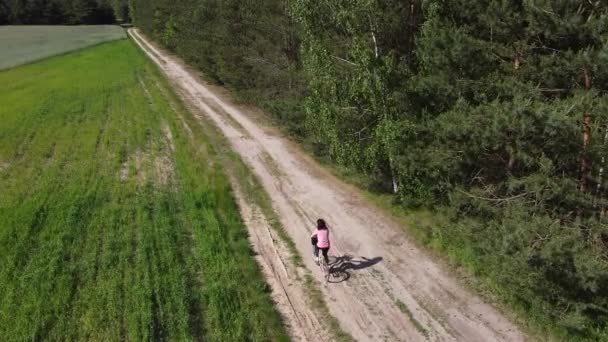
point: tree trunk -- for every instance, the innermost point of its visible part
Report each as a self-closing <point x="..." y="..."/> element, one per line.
<point x="517" y="61"/>
<point x="394" y="179"/>
<point x="413" y="24"/>
<point x="600" y="176"/>
<point x="513" y="147"/>
<point x="586" y="131"/>
<point x="511" y="162"/>
<point x="373" y="29"/>
<point x="395" y="186"/>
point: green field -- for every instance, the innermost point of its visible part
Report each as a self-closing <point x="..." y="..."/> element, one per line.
<point x="24" y="44"/>
<point x="115" y="221"/>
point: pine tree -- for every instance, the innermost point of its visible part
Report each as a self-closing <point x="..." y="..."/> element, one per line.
<point x="121" y="10"/>
<point x="34" y="12"/>
<point x="53" y="12"/>
<point x="4" y="13"/>
<point x="81" y="11"/>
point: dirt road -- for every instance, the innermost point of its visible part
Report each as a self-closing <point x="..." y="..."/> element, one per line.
<point x="390" y="289"/>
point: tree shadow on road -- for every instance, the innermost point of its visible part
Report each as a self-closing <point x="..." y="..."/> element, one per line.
<point x="340" y="267"/>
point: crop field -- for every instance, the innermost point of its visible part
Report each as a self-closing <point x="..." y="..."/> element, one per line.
<point x="115" y="221"/>
<point x="24" y="44"/>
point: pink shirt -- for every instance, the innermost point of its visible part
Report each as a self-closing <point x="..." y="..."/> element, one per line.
<point x="322" y="238"/>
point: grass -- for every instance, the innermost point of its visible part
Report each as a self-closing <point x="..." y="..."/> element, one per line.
<point x="404" y="309"/>
<point x="318" y="301"/>
<point x="26" y="44"/>
<point x="114" y="223"/>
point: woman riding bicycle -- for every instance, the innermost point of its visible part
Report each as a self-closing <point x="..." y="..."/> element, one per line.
<point x="320" y="241"/>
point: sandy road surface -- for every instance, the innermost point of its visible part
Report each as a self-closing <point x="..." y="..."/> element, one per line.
<point x="394" y="290"/>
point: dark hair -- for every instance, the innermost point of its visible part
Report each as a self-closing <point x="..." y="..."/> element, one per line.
<point x="321" y="224"/>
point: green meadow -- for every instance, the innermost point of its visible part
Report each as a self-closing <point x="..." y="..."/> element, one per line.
<point x="116" y="223"/>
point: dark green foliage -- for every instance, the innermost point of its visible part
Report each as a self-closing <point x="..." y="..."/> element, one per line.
<point x="4" y="13"/>
<point x="52" y="12"/>
<point x="121" y="10"/>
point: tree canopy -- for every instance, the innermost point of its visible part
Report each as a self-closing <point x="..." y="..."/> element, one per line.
<point x="53" y="12"/>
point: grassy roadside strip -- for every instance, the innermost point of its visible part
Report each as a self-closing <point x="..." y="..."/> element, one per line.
<point x="254" y="192"/>
<point x="228" y="264"/>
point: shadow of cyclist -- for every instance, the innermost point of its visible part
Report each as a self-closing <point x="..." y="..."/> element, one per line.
<point x="341" y="267"/>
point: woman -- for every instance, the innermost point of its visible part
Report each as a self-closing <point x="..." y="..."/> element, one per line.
<point x="320" y="240"/>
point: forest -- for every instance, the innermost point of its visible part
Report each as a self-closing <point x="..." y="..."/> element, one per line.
<point x="55" y="12"/>
<point x="491" y="114"/>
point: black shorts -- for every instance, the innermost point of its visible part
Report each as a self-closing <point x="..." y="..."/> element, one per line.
<point x="324" y="251"/>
